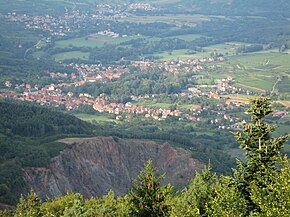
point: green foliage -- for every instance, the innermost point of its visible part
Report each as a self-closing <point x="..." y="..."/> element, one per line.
<point x="148" y="197"/>
<point x="262" y="151"/>
<point x="194" y="200"/>
<point x="26" y="119"/>
<point x="227" y="200"/>
<point x="108" y="206"/>
<point x="274" y="200"/>
<point x="6" y="213"/>
<point x="29" y="207"/>
<point x="60" y="205"/>
<point x="19" y="121"/>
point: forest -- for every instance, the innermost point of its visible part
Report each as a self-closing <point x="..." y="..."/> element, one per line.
<point x="259" y="186"/>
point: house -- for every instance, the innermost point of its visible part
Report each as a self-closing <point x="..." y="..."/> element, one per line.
<point x="8" y="84"/>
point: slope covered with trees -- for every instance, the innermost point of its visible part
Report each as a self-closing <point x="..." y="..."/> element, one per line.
<point x="27" y="138"/>
<point x="260" y="186"/>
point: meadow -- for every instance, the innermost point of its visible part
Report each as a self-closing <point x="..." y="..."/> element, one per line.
<point x="188" y="37"/>
<point x="260" y="71"/>
<point x="152" y="104"/>
<point x="92" y="118"/>
<point x="178" y="19"/>
<point x="71" y="55"/>
<point x="91" y="41"/>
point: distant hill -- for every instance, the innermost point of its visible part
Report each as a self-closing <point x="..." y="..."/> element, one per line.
<point x="222" y="7"/>
<point x="26" y="119"/>
<point x="235" y="7"/>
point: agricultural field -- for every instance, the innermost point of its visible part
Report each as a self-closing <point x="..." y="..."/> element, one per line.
<point x="188" y="37"/>
<point x="91" y="41"/>
<point x="91" y="118"/>
<point x="71" y="55"/>
<point x="163" y="105"/>
<point x="180" y="55"/>
<point x="226" y="49"/>
<point x="178" y="19"/>
<point x="258" y="72"/>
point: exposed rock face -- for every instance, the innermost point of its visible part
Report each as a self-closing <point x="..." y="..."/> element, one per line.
<point x="95" y="165"/>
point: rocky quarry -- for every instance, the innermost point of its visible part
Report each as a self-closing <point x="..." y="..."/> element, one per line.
<point x="93" y="166"/>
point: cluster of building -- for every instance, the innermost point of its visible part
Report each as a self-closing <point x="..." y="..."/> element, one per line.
<point x="128" y="108"/>
<point x="141" y="6"/>
<point x="94" y="72"/>
<point x="54" y="96"/>
<point x="110" y="34"/>
<point x="50" y="95"/>
<point x="73" y="18"/>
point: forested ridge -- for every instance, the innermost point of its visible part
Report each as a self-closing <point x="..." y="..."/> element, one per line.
<point x="259" y="186"/>
<point x="27" y="138"/>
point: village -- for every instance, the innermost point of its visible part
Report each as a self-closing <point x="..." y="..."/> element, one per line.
<point x="73" y="19"/>
<point x="55" y="96"/>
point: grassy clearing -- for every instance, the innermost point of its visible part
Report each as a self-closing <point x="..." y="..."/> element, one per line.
<point x="259" y="71"/>
<point x="283" y="85"/>
<point x="257" y="82"/>
<point x="276" y="62"/>
<point x="178" y="19"/>
<point x="282" y="130"/>
<point x="227" y="49"/>
<point x="238" y="97"/>
<point x="91" y="41"/>
<point x="166" y="105"/>
<point x="188" y="37"/>
<point x="162" y="2"/>
<point x="71" y="55"/>
<point x="38" y="54"/>
<point x="153" y="104"/>
<point x="188" y="106"/>
<point x="180" y="55"/>
<point x="91" y="118"/>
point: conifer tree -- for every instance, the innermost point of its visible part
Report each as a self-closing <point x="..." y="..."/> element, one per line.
<point x="261" y="150"/>
<point x="148" y="197"/>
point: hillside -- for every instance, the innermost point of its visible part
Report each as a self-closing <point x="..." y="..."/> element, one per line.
<point x="27" y="139"/>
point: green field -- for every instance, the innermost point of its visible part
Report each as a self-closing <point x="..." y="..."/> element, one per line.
<point x="180" y="55"/>
<point x="149" y="103"/>
<point x="91" y="41"/>
<point x="226" y="49"/>
<point x="71" y="55"/>
<point x="91" y="118"/>
<point x="38" y="54"/>
<point x="188" y="37"/>
<point x="259" y="71"/>
<point x="178" y="19"/>
<point x="272" y="61"/>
